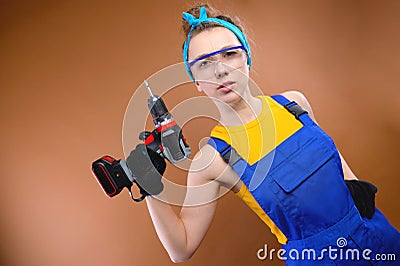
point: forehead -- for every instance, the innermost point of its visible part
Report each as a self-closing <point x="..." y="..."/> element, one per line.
<point x="211" y="40"/>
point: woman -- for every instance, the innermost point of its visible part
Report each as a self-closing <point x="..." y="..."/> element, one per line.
<point x="292" y="176"/>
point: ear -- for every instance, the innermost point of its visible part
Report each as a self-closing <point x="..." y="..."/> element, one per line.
<point x="199" y="89"/>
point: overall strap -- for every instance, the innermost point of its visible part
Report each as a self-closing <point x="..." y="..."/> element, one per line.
<point x="294" y="108"/>
<point x="228" y="153"/>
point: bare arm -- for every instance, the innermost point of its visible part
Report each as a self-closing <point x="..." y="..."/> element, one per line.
<point x="302" y="101"/>
<point x="182" y="234"/>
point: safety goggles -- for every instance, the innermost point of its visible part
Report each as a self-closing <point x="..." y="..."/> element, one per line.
<point x="204" y="67"/>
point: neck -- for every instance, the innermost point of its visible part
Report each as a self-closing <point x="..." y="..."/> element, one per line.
<point x="240" y="112"/>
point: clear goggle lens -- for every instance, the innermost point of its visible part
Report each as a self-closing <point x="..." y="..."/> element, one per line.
<point x="232" y="58"/>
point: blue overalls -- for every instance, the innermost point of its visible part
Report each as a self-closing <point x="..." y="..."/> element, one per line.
<point x="300" y="186"/>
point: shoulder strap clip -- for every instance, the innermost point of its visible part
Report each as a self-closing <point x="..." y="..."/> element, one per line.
<point x="295" y="109"/>
<point x="230" y="155"/>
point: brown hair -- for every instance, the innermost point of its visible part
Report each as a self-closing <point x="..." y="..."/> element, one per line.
<point x="211" y="13"/>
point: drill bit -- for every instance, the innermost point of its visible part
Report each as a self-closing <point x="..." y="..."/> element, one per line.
<point x="148" y="88"/>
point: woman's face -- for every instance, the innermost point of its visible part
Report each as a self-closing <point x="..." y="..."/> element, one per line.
<point x="224" y="82"/>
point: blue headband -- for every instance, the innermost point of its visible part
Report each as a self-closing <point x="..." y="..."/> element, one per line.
<point x="194" y="22"/>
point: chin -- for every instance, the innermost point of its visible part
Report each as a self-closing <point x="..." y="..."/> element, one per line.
<point x="230" y="98"/>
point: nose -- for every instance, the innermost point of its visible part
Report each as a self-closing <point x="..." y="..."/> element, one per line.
<point x="220" y="70"/>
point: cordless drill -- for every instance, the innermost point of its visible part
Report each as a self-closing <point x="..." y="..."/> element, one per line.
<point x="166" y="140"/>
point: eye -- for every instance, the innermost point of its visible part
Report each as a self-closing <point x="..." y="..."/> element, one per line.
<point x="204" y="63"/>
<point x="231" y="53"/>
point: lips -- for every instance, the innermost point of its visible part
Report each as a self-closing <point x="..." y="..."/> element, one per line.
<point x="226" y="86"/>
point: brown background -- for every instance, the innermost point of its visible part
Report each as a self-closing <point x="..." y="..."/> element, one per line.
<point x="69" y="68"/>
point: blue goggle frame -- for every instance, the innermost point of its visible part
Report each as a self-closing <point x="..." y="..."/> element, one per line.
<point x="215" y="53"/>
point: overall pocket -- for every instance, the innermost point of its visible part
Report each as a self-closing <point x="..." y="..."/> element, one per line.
<point x="310" y="188"/>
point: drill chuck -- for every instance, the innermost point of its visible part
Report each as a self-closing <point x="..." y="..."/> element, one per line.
<point x="158" y="111"/>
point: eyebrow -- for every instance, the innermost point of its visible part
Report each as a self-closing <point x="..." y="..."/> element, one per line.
<point x="223" y="49"/>
<point x="226" y="46"/>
